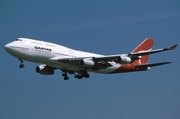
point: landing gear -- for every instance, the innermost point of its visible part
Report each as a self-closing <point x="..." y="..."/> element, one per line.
<point x="81" y="75"/>
<point x="78" y="75"/>
<point x="86" y="75"/>
<point x="21" y="64"/>
<point x="65" y="76"/>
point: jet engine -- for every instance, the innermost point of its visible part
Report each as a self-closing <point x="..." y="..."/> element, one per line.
<point x="87" y="63"/>
<point x="124" y="60"/>
<point x="44" y="70"/>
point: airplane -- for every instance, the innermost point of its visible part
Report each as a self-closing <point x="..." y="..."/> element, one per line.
<point x="52" y="56"/>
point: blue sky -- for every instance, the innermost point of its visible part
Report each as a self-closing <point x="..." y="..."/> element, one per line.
<point x="105" y="27"/>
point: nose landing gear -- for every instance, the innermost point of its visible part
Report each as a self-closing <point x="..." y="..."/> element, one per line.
<point x="21" y="64"/>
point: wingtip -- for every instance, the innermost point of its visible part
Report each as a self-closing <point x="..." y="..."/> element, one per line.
<point x="168" y="62"/>
<point x="173" y="47"/>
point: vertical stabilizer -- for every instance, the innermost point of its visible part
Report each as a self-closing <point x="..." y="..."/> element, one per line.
<point x="146" y="45"/>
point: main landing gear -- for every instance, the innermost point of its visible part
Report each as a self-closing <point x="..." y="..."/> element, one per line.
<point x="65" y="76"/>
<point x="21" y="64"/>
<point x="79" y="75"/>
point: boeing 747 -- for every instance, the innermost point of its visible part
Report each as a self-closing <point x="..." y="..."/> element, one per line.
<point x="52" y="56"/>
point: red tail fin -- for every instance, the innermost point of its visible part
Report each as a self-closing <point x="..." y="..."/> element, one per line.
<point x="147" y="44"/>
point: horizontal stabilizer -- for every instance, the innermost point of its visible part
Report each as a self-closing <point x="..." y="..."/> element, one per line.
<point x="153" y="64"/>
<point x="141" y="53"/>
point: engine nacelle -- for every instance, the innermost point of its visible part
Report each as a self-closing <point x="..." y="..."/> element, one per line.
<point x="44" y="70"/>
<point x="124" y="60"/>
<point x="87" y="63"/>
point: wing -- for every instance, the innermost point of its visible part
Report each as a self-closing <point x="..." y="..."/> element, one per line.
<point x="105" y="61"/>
<point x="87" y="62"/>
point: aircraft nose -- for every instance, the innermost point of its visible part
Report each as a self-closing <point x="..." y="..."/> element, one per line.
<point x="6" y="47"/>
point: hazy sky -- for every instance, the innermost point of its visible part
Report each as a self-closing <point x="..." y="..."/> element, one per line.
<point x="100" y="26"/>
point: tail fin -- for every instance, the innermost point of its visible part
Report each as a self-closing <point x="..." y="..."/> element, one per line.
<point x="146" y="45"/>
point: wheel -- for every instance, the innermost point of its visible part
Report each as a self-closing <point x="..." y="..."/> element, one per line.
<point x="76" y="76"/>
<point x="21" y="66"/>
<point x="66" y="78"/>
<point x="87" y="76"/>
<point x="80" y="77"/>
<point x="64" y="74"/>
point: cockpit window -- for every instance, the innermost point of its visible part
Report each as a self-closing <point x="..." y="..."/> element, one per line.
<point x="18" y="39"/>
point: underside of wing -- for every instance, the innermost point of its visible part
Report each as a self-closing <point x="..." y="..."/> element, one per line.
<point x="86" y="62"/>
